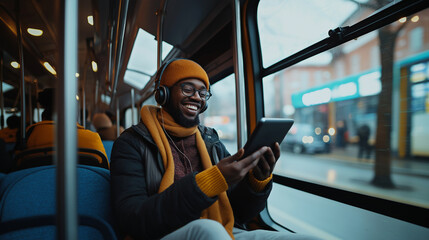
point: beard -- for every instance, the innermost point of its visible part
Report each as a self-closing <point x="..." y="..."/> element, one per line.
<point x="180" y="119"/>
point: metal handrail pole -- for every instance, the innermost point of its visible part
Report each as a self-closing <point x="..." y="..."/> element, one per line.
<point x="132" y="107"/>
<point x="66" y="134"/>
<point x="118" y="125"/>
<point x="1" y="91"/>
<point x="30" y="102"/>
<point x="36" y="83"/>
<point x="120" y="43"/>
<point x="21" y="75"/>
<point x="159" y="31"/>
<point x="239" y="81"/>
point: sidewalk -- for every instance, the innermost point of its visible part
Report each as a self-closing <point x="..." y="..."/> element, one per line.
<point x="417" y="167"/>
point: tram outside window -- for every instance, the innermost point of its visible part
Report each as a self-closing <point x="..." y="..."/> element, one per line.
<point x="340" y="93"/>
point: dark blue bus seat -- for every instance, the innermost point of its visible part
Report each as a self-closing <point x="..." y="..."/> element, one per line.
<point x="2" y="176"/>
<point x="6" y="160"/>
<point x="10" y="147"/>
<point x="108" y="144"/>
<point x="28" y="203"/>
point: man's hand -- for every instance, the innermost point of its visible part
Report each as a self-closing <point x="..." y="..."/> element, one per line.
<point x="267" y="163"/>
<point x="235" y="169"/>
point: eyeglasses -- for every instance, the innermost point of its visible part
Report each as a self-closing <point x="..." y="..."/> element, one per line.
<point x="188" y="90"/>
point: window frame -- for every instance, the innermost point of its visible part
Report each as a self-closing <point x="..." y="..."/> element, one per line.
<point x="255" y="72"/>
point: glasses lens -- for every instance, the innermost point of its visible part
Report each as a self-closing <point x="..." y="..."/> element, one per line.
<point x="188" y="90"/>
<point x="207" y="95"/>
<point x="203" y="93"/>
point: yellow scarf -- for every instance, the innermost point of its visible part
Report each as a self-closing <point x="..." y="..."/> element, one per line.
<point x="221" y="210"/>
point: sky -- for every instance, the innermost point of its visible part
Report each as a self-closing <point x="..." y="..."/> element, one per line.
<point x="287" y="26"/>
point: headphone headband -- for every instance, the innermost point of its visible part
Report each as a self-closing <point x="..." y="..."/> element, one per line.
<point x="161" y="71"/>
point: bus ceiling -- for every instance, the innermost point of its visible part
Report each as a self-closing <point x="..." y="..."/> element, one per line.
<point x="190" y="26"/>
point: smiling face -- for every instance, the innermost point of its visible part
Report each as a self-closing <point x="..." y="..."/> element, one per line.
<point x="183" y="109"/>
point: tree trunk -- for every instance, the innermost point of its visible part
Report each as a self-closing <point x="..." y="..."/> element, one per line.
<point x="382" y="167"/>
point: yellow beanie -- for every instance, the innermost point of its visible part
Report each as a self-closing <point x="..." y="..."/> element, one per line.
<point x="182" y="69"/>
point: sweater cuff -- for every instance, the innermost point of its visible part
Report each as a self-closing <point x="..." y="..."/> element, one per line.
<point x="256" y="184"/>
<point x="211" y="181"/>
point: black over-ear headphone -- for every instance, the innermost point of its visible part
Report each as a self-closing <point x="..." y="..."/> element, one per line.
<point x="162" y="93"/>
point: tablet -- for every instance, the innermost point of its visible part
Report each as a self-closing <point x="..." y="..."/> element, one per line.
<point x="268" y="131"/>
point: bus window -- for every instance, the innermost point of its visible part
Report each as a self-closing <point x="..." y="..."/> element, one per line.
<point x="221" y="113"/>
<point x="37" y="114"/>
<point x="360" y="110"/>
<point x="128" y="117"/>
<point x="141" y="65"/>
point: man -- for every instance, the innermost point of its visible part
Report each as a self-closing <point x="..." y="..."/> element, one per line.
<point x="173" y="179"/>
<point x="104" y="127"/>
<point x="364" y="147"/>
<point x="9" y="134"/>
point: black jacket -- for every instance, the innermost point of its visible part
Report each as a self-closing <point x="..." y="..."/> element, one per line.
<point x="136" y="172"/>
